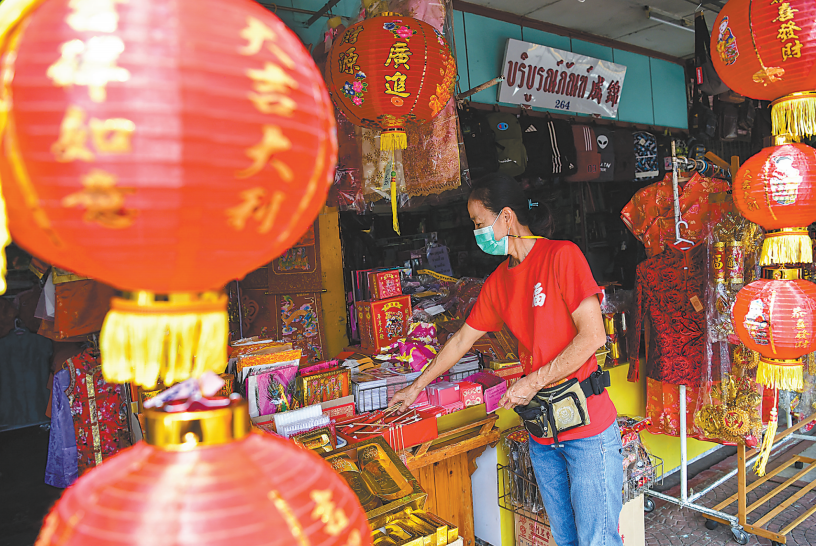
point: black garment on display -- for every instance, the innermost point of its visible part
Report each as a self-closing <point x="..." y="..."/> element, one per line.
<point x="480" y="142"/>
<point x="511" y="152"/>
<point x="535" y="135"/>
<point x="706" y="76"/>
<point x="559" y="149"/>
<point x="25" y="362"/>
<point x="606" y="146"/>
<point x="624" y="147"/>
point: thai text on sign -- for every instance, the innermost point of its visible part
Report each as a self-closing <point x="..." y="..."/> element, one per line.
<point x="551" y="78"/>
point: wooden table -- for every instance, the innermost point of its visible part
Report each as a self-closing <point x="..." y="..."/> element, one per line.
<point x="444" y="469"/>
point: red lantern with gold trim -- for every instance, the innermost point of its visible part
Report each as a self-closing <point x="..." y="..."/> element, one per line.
<point x="776" y="317"/>
<point x="164" y="148"/>
<point x="767" y="50"/>
<point x="776" y="189"/>
<point x="389" y="71"/>
<point x="201" y="478"/>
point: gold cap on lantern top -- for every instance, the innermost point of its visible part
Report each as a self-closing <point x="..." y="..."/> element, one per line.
<point x="781" y="273"/>
<point x="185" y="425"/>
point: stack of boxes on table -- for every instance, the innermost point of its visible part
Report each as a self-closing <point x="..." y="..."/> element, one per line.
<point x="339" y="408"/>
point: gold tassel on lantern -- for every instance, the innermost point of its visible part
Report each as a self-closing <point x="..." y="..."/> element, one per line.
<point x="780" y="374"/>
<point x="393" y="139"/>
<point x="795" y="115"/>
<point x="143" y="340"/>
<point x="393" y="173"/>
<point x="787" y="246"/>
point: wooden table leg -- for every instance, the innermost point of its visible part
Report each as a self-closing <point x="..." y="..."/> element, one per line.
<point x="450" y="495"/>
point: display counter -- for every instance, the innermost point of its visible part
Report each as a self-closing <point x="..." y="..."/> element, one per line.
<point x="443" y="468"/>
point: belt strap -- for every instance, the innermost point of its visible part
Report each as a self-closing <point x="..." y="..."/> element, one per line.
<point x="595" y="383"/>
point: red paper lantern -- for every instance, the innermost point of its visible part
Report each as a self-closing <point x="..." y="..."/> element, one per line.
<point x="767" y="50"/>
<point x="776" y="189"/>
<point x="161" y="147"/>
<point x="202" y="478"/>
<point x="388" y="71"/>
<point x="776" y="317"/>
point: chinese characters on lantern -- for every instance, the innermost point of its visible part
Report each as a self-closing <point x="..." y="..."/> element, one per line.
<point x="791" y="46"/>
<point x="92" y="63"/>
<point x="334" y="518"/>
<point x="748" y="196"/>
<point x="109" y="136"/>
<point x="271" y="93"/>
<point x="399" y="54"/>
<point x="103" y="202"/>
<point x="257" y="204"/>
<point x="802" y="334"/>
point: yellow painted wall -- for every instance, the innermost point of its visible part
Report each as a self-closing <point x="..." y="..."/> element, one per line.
<point x="630" y="399"/>
<point x="334" y="298"/>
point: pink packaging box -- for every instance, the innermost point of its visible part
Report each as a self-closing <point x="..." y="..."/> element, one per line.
<point x="470" y="394"/>
<point x="454" y="406"/>
<point x="494" y="388"/>
<point x="443" y="393"/>
<point x="421" y="400"/>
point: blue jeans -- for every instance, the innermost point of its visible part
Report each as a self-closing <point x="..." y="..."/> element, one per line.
<point x="581" y="485"/>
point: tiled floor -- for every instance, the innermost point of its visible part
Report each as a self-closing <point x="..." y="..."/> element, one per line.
<point x="671" y="525"/>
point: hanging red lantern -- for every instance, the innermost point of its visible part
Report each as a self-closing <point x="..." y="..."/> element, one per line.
<point x="202" y="478"/>
<point x="776" y="189"/>
<point x="767" y="50"/>
<point x="776" y="317"/>
<point x="5" y="239"/>
<point x="163" y="150"/>
<point x="386" y="72"/>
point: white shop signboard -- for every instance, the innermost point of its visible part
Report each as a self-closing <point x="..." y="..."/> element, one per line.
<point x="546" y="77"/>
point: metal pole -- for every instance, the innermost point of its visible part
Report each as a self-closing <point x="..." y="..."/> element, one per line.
<point x="788" y="416"/>
<point x="683" y="452"/>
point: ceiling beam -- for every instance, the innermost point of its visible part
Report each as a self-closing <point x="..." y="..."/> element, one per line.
<point x="561" y="31"/>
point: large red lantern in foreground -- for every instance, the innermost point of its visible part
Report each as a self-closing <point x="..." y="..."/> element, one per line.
<point x="202" y="478"/>
<point x="776" y="189"/>
<point x="767" y="50"/>
<point x="5" y="239"/>
<point x="389" y="71"/>
<point x="776" y="317"/>
<point x="163" y="148"/>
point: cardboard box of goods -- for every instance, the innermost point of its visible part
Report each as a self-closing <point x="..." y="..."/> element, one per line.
<point x="493" y="388"/>
<point x="532" y="533"/>
<point x="382" y="322"/>
<point x="384" y="284"/>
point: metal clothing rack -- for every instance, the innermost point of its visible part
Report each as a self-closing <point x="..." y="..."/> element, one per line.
<point x="686" y="501"/>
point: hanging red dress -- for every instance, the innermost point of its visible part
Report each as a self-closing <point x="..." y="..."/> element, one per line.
<point x="670" y="292"/>
<point x="650" y="213"/>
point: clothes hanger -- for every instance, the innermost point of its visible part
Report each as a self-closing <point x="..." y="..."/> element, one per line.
<point x="19" y="327"/>
<point x="678" y="218"/>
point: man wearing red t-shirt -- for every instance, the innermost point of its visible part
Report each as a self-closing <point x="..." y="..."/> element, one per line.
<point x="546" y="295"/>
